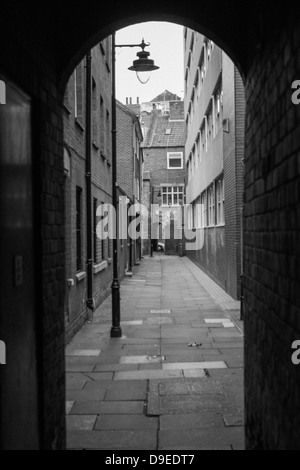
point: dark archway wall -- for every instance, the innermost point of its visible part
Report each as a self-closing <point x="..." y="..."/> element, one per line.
<point x="272" y="242"/>
<point x="40" y="43"/>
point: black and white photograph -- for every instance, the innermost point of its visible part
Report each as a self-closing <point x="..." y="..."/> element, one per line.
<point x="149" y="228"/>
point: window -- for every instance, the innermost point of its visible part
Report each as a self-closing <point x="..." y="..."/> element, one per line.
<point x="79" y="92"/>
<point x="95" y="254"/>
<point x="172" y="195"/>
<point x="94" y="113"/>
<point x="195" y="215"/>
<point x="102" y="127"/>
<point x="175" y="161"/>
<point x="208" y="50"/>
<point x="78" y="228"/>
<point x="108" y="135"/>
<point x="168" y="131"/>
<point x="220" y="201"/>
<point x="204" y="210"/>
<point x="102" y="239"/>
<point x="66" y="95"/>
<point x="211" y="206"/>
<point x="218" y="118"/>
<point x="198" y="146"/>
<point x="199" y="213"/>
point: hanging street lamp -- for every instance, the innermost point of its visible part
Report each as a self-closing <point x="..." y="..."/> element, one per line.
<point x="143" y="66"/>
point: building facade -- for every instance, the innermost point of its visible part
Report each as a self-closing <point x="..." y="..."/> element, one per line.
<point x="215" y="119"/>
<point x="129" y="179"/>
<point x="164" y="170"/>
<point x="76" y="128"/>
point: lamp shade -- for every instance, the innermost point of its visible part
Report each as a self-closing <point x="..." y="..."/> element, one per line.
<point x="143" y="66"/>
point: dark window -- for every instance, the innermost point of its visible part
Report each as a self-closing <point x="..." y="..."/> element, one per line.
<point x="79" y="92"/>
<point x="103" y="240"/>
<point x="95" y="231"/>
<point x="102" y="127"/>
<point x="108" y="135"/>
<point x="94" y="113"/>
<point x="78" y="228"/>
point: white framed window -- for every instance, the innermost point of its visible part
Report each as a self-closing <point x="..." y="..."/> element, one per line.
<point x="206" y="133"/>
<point x="211" y="205"/>
<point x="172" y="195"/>
<point x="203" y="200"/>
<point x="175" y="160"/>
<point x="208" y="50"/>
<point x="220" y="202"/>
<point x="199" y="213"/>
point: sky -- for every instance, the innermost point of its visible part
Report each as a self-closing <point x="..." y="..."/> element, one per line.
<point x="166" y="50"/>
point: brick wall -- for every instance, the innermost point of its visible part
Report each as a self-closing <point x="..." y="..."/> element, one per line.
<point x="76" y="312"/>
<point x="155" y="161"/>
<point x="125" y="150"/>
<point x="25" y="63"/>
<point x="146" y="201"/>
<point x="272" y="214"/>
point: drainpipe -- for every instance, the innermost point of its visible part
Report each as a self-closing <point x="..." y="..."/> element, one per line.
<point x="242" y="265"/>
<point x="88" y="178"/>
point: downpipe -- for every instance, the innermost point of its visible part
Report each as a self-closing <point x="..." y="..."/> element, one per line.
<point x="90" y="302"/>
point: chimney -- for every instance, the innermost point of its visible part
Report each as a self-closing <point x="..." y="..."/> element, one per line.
<point x="138" y="100"/>
<point x="130" y="100"/>
<point x="126" y="100"/>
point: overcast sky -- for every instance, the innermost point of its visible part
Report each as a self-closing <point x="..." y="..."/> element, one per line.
<point x="166" y="50"/>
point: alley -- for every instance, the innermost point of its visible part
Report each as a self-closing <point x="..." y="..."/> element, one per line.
<point x="175" y="378"/>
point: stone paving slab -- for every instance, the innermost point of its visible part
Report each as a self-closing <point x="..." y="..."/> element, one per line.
<point x="203" y="419"/>
<point x="96" y="376"/>
<point x="195" y="365"/>
<point x="130" y="422"/>
<point x="141" y="359"/>
<point x="233" y="416"/>
<point x="115" y="367"/>
<point x="100" y="407"/>
<point x="85" y="395"/>
<point x="148" y="374"/>
<point x="213" y="438"/>
<point x="76" y="381"/>
<point x="84" y="352"/>
<point x="137" y="391"/>
<point x="112" y="440"/>
<point x="81" y="422"/>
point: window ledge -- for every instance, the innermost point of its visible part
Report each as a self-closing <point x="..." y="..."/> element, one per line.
<point x="67" y="109"/>
<point x="95" y="145"/>
<point x="100" y="267"/>
<point x="80" y="276"/>
<point x="78" y="124"/>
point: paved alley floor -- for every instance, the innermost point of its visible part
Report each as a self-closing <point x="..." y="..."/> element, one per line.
<point x="174" y="381"/>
